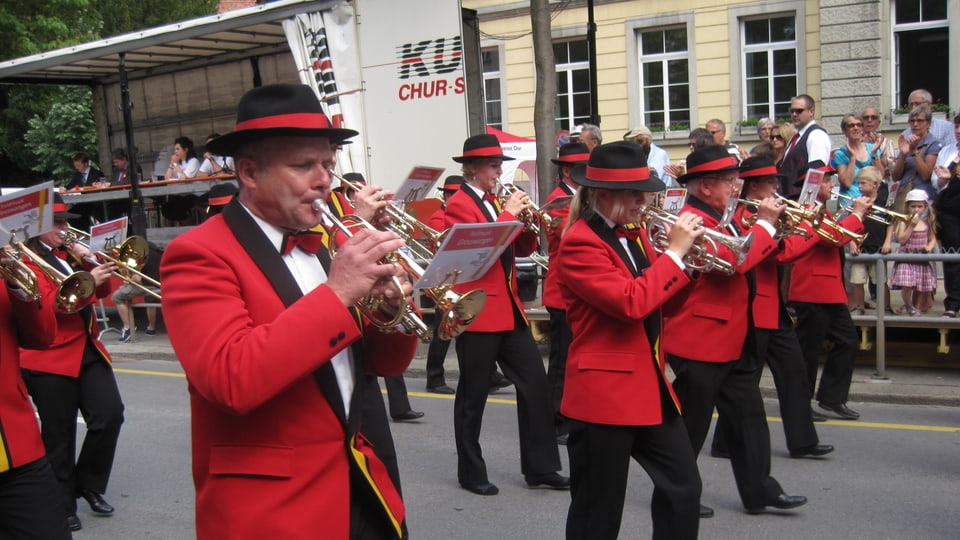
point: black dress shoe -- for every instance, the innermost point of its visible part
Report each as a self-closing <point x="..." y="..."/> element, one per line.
<point x="407" y="416"/>
<point x="496" y="383"/>
<point x="73" y="522"/>
<point x="814" y="450"/>
<point x="549" y="480"/>
<point x="841" y="410"/>
<point x="485" y="488"/>
<point x="817" y="417"/>
<point x="96" y="502"/>
<point x="442" y="389"/>
<point x="706" y="511"/>
<point x="782" y="502"/>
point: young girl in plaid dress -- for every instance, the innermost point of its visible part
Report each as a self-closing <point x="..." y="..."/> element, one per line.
<point x="916" y="280"/>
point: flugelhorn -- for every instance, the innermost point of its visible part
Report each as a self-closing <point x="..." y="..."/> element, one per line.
<point x="129" y="256"/>
<point x="456" y="311"/>
<point x="704" y="255"/>
<point x="788" y="224"/>
<point x="532" y="217"/>
<point x="880" y="214"/>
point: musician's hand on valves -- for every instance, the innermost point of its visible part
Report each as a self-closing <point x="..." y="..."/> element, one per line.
<point x="388" y="289"/>
<point x="517" y="203"/>
<point x="684" y="233"/>
<point x="356" y="269"/>
<point x="369" y="203"/>
<point x="101" y="274"/>
<point x="862" y="205"/>
<point x="770" y="209"/>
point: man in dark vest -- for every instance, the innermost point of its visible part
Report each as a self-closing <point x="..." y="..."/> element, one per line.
<point x="810" y="143"/>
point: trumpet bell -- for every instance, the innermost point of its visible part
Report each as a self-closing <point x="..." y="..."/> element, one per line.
<point x="459" y="312"/>
<point x="132" y="252"/>
<point x="74" y="290"/>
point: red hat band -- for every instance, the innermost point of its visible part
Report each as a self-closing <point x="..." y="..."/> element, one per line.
<point x="618" y="175"/>
<point x="715" y="165"/>
<point x="484" y="152"/>
<point x="59" y="207"/>
<point x="219" y="201"/>
<point x="572" y="158"/>
<point x="762" y="171"/>
<point x="295" y="120"/>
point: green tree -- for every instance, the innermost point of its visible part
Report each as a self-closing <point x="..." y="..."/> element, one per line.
<point x="64" y="130"/>
<point x="122" y="16"/>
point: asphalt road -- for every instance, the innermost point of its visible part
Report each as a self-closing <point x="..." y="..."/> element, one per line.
<point x="895" y="475"/>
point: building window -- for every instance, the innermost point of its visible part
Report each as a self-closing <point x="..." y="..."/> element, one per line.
<point x="573" y="83"/>
<point x="665" y="79"/>
<point x="492" y="89"/>
<point x="921" y="49"/>
<point x="769" y="48"/>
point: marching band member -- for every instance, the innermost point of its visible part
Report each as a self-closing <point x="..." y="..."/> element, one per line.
<point x="616" y="399"/>
<point x="704" y="335"/>
<point x="819" y="296"/>
<point x="276" y="371"/>
<point x="568" y="156"/>
<point x="774" y="339"/>
<point x="75" y="374"/>
<point x="500" y="333"/>
<point x="32" y="503"/>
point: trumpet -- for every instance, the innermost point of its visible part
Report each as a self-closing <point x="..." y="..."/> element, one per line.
<point x="881" y="214"/>
<point x="786" y="225"/>
<point x="530" y="216"/>
<point x="704" y="255"/>
<point x="72" y="290"/>
<point x="827" y="227"/>
<point x="456" y="311"/>
<point x="130" y="255"/>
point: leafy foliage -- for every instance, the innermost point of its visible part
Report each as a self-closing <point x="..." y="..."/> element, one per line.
<point x="64" y="130"/>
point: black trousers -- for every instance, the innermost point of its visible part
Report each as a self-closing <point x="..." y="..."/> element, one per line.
<point x="29" y="509"/>
<point x="781" y="351"/>
<point x="732" y="388"/>
<point x="599" y="467"/>
<point x="948" y="232"/>
<point x="815" y="323"/>
<point x="397" y="397"/>
<point x="436" y="354"/>
<point x="520" y="360"/>
<point x="560" y="339"/>
<point x="96" y="395"/>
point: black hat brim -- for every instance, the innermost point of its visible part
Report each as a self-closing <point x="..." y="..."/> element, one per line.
<point x="683" y="179"/>
<point x="652" y="184"/>
<point x="468" y="159"/>
<point x="227" y="145"/>
<point x="65" y="215"/>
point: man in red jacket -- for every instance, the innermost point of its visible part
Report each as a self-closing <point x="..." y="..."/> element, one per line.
<point x="278" y="367"/>
<point x="31" y="497"/>
<point x="819" y="296"/>
<point x="704" y="335"/>
<point x="568" y="156"/>
<point x="499" y="334"/>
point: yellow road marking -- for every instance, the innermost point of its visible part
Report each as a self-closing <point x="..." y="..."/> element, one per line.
<point x="503" y="401"/>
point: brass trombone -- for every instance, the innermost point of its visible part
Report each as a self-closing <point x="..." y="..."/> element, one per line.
<point x="456" y="311"/>
<point x="72" y="290"/>
<point x="881" y="214"/>
<point x="704" y="255"/>
<point x="130" y="255"/>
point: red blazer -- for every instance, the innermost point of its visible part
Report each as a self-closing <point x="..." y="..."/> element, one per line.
<point x="65" y="354"/>
<point x="551" y="289"/>
<point x="25" y="324"/>
<point x="817" y="276"/>
<point x="497" y="314"/>
<point x="436" y="221"/>
<point x="613" y="375"/>
<point x="708" y="321"/>
<point x="269" y="445"/>
<point x="766" y="303"/>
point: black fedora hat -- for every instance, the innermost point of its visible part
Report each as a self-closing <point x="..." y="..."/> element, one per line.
<point x="221" y="194"/>
<point x="276" y="110"/>
<point x="618" y="165"/>
<point x="817" y="165"/>
<point x="60" y="209"/>
<point x="481" y="146"/>
<point x="708" y="160"/>
<point x="757" y="167"/>
<point x="451" y="183"/>
<point x="573" y="153"/>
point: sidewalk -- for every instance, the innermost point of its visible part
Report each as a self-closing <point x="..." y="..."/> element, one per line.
<point x="907" y="385"/>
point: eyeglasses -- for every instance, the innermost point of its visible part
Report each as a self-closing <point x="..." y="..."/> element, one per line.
<point x="854" y="125"/>
<point x="776" y="137"/>
<point x="867" y="117"/>
<point x="797" y="111"/>
<point x="691" y="145"/>
<point x="714" y="132"/>
<point x="913" y="104"/>
<point x="917" y="120"/>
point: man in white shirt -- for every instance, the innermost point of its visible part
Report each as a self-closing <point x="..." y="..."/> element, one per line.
<point x="810" y="143"/>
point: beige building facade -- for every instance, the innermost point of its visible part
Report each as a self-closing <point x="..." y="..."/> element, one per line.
<point x="674" y="64"/>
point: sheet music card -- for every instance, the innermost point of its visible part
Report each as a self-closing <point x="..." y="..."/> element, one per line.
<point x="418" y="185"/>
<point x="26" y="213"/>
<point x="674" y="199"/>
<point x="105" y="236"/>
<point x="811" y="187"/>
<point x="468" y="251"/>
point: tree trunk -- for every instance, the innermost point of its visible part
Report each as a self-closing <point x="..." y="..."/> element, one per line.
<point x="544" y="107"/>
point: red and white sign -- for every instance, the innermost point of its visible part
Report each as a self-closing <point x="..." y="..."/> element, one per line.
<point x="26" y="213"/>
<point x="468" y="251"/>
<point x="418" y="185"/>
<point x="105" y="236"/>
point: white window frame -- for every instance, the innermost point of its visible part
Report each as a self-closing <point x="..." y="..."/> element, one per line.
<point x="953" y="36"/>
<point x="567" y="70"/>
<point x="499" y="76"/>
<point x="633" y="28"/>
<point x="767" y="48"/>
<point x="735" y="17"/>
<point x="664" y="58"/>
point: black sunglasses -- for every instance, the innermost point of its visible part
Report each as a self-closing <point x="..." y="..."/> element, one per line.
<point x="797" y="111"/>
<point x="870" y="117"/>
<point x="775" y="137"/>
